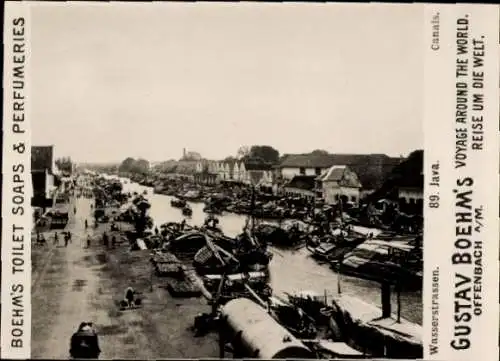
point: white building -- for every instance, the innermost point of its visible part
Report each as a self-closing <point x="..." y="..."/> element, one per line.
<point x="339" y="182"/>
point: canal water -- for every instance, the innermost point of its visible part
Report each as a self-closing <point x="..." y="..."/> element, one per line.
<point x="291" y="270"/>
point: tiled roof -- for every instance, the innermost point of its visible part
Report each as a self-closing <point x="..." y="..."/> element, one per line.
<point x="371" y="169"/>
<point x="306" y="182"/>
<point x="334" y="173"/>
<point x="42" y="158"/>
<point x="321" y="160"/>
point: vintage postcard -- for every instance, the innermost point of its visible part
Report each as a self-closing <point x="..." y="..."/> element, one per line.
<point x="250" y="180"/>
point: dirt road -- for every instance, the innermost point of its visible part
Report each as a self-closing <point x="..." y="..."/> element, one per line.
<point x="74" y="284"/>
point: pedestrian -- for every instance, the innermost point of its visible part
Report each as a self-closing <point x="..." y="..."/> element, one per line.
<point x="157" y="231"/>
<point x="66" y="240"/>
<point x="74" y="210"/>
<point x="56" y="239"/>
<point x="88" y="241"/>
<point x="105" y="239"/>
<point x="86" y="224"/>
<point x="113" y="241"/>
<point x="129" y="296"/>
<point x="69" y="237"/>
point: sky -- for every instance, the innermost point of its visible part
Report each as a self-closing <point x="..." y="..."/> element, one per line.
<point x="147" y="80"/>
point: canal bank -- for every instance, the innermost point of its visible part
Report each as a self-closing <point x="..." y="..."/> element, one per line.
<point x="81" y="283"/>
<point x="291" y="270"/>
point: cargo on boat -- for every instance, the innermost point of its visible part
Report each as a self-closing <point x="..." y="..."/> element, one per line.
<point x="385" y="261"/>
<point x="187" y="210"/>
<point x="178" y="203"/>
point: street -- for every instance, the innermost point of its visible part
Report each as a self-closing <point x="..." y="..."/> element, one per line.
<point x="75" y="284"/>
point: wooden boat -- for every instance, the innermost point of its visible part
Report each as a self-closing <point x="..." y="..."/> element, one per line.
<point x="326" y="349"/>
<point x="178" y="203"/>
<point x="211" y="209"/>
<point x="193" y="195"/>
<point x="187" y="211"/>
<point x="335" y="245"/>
<point x="288" y="235"/>
<point x="384" y="261"/>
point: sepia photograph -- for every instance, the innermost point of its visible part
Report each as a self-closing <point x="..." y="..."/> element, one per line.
<point x="226" y="180"/>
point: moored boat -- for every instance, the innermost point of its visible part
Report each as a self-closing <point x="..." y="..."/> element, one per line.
<point x="384" y="261"/>
<point x="187" y="211"/>
<point x="178" y="203"/>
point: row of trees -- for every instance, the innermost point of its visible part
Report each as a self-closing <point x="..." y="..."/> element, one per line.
<point x="260" y="154"/>
<point x="131" y="165"/>
<point x="64" y="164"/>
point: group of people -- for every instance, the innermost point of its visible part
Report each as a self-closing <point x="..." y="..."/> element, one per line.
<point x="105" y="240"/>
<point x="40" y="238"/>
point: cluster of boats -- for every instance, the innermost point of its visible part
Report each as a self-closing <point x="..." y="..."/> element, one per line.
<point x="235" y="270"/>
<point x="183" y="205"/>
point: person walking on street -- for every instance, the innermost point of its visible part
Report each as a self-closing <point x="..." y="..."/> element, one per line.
<point x="74" y="210"/>
<point x="86" y="224"/>
<point x="56" y="239"/>
<point x="129" y="296"/>
<point x="66" y="240"/>
<point x="69" y="237"/>
<point x="105" y="239"/>
<point x="113" y="241"/>
<point x="88" y="241"/>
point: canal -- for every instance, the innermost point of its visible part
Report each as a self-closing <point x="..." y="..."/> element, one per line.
<point x="291" y="270"/>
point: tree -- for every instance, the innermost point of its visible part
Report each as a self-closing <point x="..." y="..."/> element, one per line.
<point x="130" y="165"/>
<point x="264" y="153"/>
<point x="64" y="164"/>
<point x="127" y="165"/>
<point x="140" y="166"/>
<point x="319" y="151"/>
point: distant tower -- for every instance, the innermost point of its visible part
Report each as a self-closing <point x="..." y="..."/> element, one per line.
<point x="183" y="153"/>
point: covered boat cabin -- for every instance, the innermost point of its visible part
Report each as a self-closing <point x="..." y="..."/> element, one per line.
<point x="252" y="332"/>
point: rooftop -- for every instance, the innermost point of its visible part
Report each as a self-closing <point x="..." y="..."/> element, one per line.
<point x="305" y="182"/>
<point x="334" y="173"/>
<point x="323" y="160"/>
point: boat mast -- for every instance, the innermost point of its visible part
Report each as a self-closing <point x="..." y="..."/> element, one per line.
<point x="252" y="210"/>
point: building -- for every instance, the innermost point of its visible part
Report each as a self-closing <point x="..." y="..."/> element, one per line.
<point x="186" y="169"/>
<point x="405" y="184"/>
<point x="260" y="175"/>
<point x="190" y="156"/>
<point x="42" y="176"/>
<point x="371" y="169"/>
<point x="410" y="196"/>
<point x="206" y="172"/>
<point x="337" y="183"/>
<point x="303" y="186"/>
